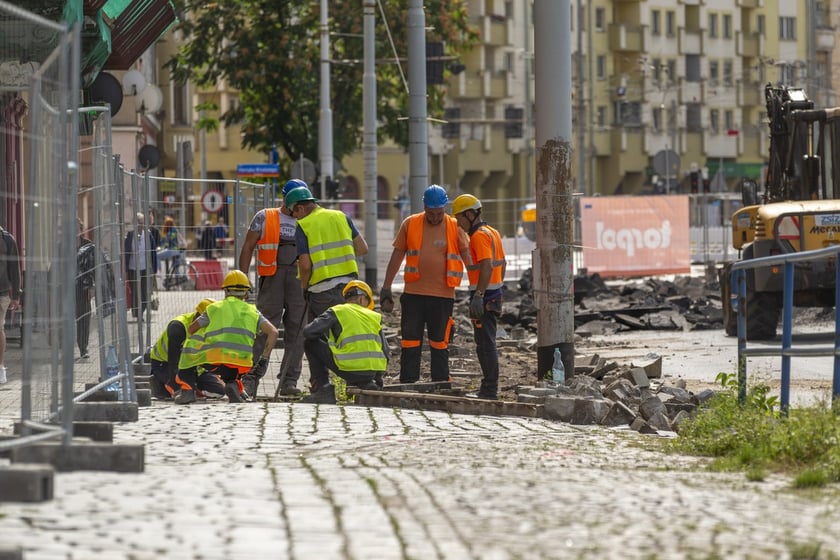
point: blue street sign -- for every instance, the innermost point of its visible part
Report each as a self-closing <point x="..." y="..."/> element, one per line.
<point x="258" y="170"/>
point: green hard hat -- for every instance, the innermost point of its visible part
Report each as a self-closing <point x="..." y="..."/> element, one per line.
<point x="299" y="194"/>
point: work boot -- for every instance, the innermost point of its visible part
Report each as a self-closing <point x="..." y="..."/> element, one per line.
<point x="379" y="380"/>
<point x="369" y="386"/>
<point x="158" y="390"/>
<point x="321" y="395"/>
<point x="186" y="396"/>
<point x="232" y="392"/>
<point x="290" y="390"/>
<point x="250" y="383"/>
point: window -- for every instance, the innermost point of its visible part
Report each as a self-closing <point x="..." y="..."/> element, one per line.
<point x="759" y="24"/>
<point x="509" y="9"/>
<point x="729" y="120"/>
<point x="181" y="112"/>
<point x="655" y="28"/>
<point x="786" y="74"/>
<point x="657" y="69"/>
<point x="713" y="30"/>
<point x="713" y="71"/>
<point x="600" y="18"/>
<point x="509" y="62"/>
<point x="727" y="26"/>
<point x="657" y="119"/>
<point x="602" y="116"/>
<point x="672" y="70"/>
<point x="787" y="28"/>
<point x="670" y="23"/>
<point x="629" y="113"/>
<point x="692" y="68"/>
<point x="601" y="67"/>
<point x="693" y="121"/>
<point x="727" y="72"/>
<point x="714" y="120"/>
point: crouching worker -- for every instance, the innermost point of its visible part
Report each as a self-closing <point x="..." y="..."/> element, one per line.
<point x="347" y="339"/>
<point x="222" y="341"/>
<point x="166" y="353"/>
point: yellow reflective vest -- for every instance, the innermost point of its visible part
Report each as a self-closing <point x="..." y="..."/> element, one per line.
<point x="160" y="351"/>
<point x="359" y="345"/>
<point x="228" y="339"/>
<point x="330" y="242"/>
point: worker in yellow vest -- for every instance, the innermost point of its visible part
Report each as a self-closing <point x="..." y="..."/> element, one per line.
<point x="222" y="341"/>
<point x="347" y="339"/>
<point x="166" y="353"/>
<point x="487" y="276"/>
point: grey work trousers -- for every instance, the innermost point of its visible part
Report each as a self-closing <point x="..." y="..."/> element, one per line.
<point x="280" y="300"/>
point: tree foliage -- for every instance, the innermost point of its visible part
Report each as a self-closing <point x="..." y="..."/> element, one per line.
<point x="270" y="52"/>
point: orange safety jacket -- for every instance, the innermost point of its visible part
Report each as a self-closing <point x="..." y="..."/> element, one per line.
<point x="497" y="257"/>
<point x="269" y="243"/>
<point x="414" y="241"/>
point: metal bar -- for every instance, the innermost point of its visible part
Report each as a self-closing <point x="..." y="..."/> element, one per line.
<point x="739" y="287"/>
<point x="787" y="336"/>
<point x="835" y="392"/>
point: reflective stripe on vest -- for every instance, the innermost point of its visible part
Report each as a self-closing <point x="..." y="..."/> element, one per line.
<point x="160" y="351"/>
<point x="359" y="346"/>
<point x="228" y="339"/>
<point x="414" y="241"/>
<point x="330" y="244"/>
<point x="269" y="243"/>
<point x="496" y="261"/>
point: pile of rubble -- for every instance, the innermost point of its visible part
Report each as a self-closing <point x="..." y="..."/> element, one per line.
<point x="608" y="394"/>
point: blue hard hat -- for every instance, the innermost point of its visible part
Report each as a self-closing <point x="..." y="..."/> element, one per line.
<point x="293" y="184"/>
<point x="435" y="197"/>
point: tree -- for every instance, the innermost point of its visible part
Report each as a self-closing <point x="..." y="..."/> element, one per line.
<point x="269" y="51"/>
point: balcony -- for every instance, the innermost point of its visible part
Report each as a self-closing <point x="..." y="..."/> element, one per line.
<point x="748" y="44"/>
<point x="602" y="142"/>
<point x="690" y="41"/>
<point x="628" y="38"/>
<point x="495" y="30"/>
<point x="749" y="3"/>
<point x="496" y="84"/>
<point x="751" y="94"/>
<point x="690" y="92"/>
<point x="825" y="39"/>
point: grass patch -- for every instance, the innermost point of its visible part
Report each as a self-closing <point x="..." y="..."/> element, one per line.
<point x="755" y="438"/>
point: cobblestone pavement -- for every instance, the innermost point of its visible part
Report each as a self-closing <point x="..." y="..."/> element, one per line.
<point x="299" y="481"/>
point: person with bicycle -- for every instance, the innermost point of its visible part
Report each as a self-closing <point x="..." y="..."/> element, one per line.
<point x="221" y="340"/>
<point x="171" y="244"/>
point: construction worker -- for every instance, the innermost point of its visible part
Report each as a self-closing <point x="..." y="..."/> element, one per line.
<point x="166" y="353"/>
<point x="486" y="275"/>
<point x="347" y="339"/>
<point x="435" y="250"/>
<point x="225" y="346"/>
<point x="279" y="297"/>
<point x="327" y="246"/>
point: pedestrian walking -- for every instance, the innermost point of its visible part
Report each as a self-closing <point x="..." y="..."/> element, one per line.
<point x="486" y="275"/>
<point x="435" y="250"/>
<point x="327" y="244"/>
<point x="9" y="289"/>
<point x="85" y="265"/>
<point x="346" y="339"/>
<point x="279" y="296"/>
<point x="225" y="346"/>
<point x="207" y="241"/>
<point x="166" y="354"/>
<point x="141" y="264"/>
<point x="172" y="244"/>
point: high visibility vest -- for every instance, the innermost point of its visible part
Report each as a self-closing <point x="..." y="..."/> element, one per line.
<point x="498" y="258"/>
<point x="454" y="265"/>
<point x="269" y="243"/>
<point x="160" y="351"/>
<point x="330" y="244"/>
<point x="228" y="339"/>
<point x="359" y="346"/>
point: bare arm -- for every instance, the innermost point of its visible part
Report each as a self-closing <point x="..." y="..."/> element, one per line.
<point x="304" y="270"/>
<point x="394" y="264"/>
<point x="270" y="332"/>
<point x="194" y="326"/>
<point x="251" y="239"/>
<point x="360" y="246"/>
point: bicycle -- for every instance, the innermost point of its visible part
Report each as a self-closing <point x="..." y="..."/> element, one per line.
<point x="180" y="274"/>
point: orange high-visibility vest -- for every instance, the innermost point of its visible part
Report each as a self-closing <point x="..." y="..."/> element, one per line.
<point x="497" y="258"/>
<point x="269" y="243"/>
<point x="454" y="265"/>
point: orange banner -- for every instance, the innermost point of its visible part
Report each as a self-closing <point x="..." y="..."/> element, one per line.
<point x="635" y="235"/>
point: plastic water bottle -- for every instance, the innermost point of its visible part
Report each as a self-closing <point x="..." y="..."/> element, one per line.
<point x="558" y="370"/>
<point x="112" y="368"/>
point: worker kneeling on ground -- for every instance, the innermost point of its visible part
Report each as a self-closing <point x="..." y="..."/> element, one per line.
<point x="347" y="339"/>
<point x="222" y="341"/>
<point x="166" y="353"/>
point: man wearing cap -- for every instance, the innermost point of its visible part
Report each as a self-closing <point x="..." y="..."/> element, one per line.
<point x="327" y="246"/>
<point x="166" y="353"/>
<point x="435" y="250"/>
<point x="279" y="297"/>
<point x="486" y="275"/>
<point x="347" y="339"/>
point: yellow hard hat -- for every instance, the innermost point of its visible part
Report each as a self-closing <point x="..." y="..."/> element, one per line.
<point x="236" y="281"/>
<point x="358" y="288"/>
<point x="202" y="305"/>
<point x="465" y="202"/>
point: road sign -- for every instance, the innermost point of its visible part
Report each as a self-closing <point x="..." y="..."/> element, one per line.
<point x="212" y="201"/>
<point x="303" y="169"/>
<point x="258" y="170"/>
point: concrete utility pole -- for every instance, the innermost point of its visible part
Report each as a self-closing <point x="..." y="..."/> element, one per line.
<point x="581" y="103"/>
<point x="369" y="140"/>
<point x="418" y="133"/>
<point x="552" y="262"/>
<point x="325" y="124"/>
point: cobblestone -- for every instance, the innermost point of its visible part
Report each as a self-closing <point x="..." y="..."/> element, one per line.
<point x="298" y="481"/>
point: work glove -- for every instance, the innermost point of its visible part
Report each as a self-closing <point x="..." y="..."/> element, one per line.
<point x="386" y="300"/>
<point x="260" y="368"/>
<point x="476" y="306"/>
